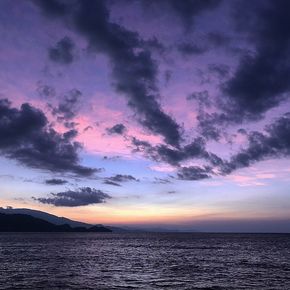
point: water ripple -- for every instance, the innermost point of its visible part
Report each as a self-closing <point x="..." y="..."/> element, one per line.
<point x="144" y="261"/>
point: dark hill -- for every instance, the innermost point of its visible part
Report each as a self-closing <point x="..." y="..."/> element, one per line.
<point x="27" y="223"/>
<point x="56" y="220"/>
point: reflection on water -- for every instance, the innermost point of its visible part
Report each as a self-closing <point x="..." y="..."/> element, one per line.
<point x="144" y="261"/>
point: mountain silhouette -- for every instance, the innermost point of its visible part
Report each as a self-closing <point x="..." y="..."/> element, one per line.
<point x="27" y="223"/>
<point x="56" y="220"/>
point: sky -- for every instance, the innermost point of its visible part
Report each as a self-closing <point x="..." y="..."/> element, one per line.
<point x="166" y="114"/>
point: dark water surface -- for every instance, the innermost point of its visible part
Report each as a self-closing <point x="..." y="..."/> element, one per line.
<point x="144" y="261"/>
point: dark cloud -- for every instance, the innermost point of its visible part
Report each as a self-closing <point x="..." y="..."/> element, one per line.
<point x="188" y="48"/>
<point x="111" y="183"/>
<point x="45" y="91"/>
<point x="161" y="180"/>
<point x="213" y="40"/>
<point x="171" y="191"/>
<point x="68" y="107"/>
<point x="112" y="158"/>
<point x="154" y="44"/>
<point x="70" y="125"/>
<point x="72" y="198"/>
<point x="262" y="78"/>
<point x="63" y="52"/>
<point x="16" y="124"/>
<point x="274" y="143"/>
<point x="242" y="131"/>
<point x="212" y="126"/>
<point x="260" y="82"/>
<point x="220" y="70"/>
<point x="207" y="127"/>
<point x="133" y="69"/>
<point x="55" y="181"/>
<point x="195" y="149"/>
<point x="118" y="129"/>
<point x="162" y="153"/>
<point x="119" y="178"/>
<point x="201" y="97"/>
<point x="218" y="121"/>
<point x="194" y="173"/>
<point x="217" y="39"/>
<point x="71" y="134"/>
<point x="140" y="145"/>
<point x="185" y="10"/>
<point x="167" y="76"/>
<point x="52" y="7"/>
<point x="26" y="136"/>
<point x="88" y="128"/>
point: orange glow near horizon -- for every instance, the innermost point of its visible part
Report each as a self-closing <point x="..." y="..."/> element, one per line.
<point x="153" y="214"/>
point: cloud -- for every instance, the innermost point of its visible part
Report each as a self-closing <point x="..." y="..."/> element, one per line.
<point x="201" y="97"/>
<point x="63" y="52"/>
<point x="154" y="44"/>
<point x="73" y="198"/>
<point x="217" y="39"/>
<point x="118" y="129"/>
<point x="213" y="40"/>
<point x="122" y="178"/>
<point x="45" y="91"/>
<point x="201" y="45"/>
<point x="262" y="79"/>
<point x="207" y="126"/>
<point x="88" y="128"/>
<point x="161" y="180"/>
<point x="133" y="69"/>
<point x="188" y="48"/>
<point x="274" y="143"/>
<point x="260" y="82"/>
<point x="111" y="183"/>
<point x="195" y="149"/>
<point x="162" y="153"/>
<point x="55" y="181"/>
<point x="52" y="7"/>
<point x="119" y="178"/>
<point x="67" y="108"/>
<point x="171" y="192"/>
<point x="167" y="76"/>
<point x="185" y="10"/>
<point x="26" y="136"/>
<point x="220" y="70"/>
<point x="112" y="158"/>
<point x="140" y="145"/>
<point x="194" y="173"/>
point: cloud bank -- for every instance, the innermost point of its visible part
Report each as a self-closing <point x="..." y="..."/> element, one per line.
<point x="73" y="198"/>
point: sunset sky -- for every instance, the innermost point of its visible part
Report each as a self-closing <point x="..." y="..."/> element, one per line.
<point x="147" y="113"/>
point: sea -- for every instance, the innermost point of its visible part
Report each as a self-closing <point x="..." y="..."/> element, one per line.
<point x="144" y="261"/>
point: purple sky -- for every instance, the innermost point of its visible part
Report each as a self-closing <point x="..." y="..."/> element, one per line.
<point x="147" y="113"/>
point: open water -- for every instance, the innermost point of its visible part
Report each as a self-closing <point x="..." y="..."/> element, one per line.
<point x="144" y="261"/>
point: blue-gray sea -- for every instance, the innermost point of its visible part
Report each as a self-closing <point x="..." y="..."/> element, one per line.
<point x="144" y="261"/>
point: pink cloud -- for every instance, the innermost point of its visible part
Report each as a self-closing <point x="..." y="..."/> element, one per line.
<point x="163" y="168"/>
<point x="243" y="180"/>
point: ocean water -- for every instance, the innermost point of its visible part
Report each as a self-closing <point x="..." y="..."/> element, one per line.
<point x="144" y="261"/>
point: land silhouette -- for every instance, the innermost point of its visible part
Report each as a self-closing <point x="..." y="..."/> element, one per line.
<point x="27" y="223"/>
